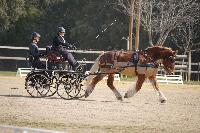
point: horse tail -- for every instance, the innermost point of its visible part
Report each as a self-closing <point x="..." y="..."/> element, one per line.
<point x="94" y="69"/>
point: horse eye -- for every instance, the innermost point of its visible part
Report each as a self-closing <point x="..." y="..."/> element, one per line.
<point x="171" y="58"/>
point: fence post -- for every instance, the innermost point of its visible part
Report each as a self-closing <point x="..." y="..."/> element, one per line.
<point x="189" y="64"/>
<point x="198" y="70"/>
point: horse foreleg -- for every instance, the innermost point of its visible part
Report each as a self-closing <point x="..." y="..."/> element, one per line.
<point x="92" y="85"/>
<point x="110" y="84"/>
<point x="133" y="91"/>
<point x="154" y="83"/>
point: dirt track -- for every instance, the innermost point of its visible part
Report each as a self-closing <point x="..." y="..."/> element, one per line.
<point x="101" y="112"/>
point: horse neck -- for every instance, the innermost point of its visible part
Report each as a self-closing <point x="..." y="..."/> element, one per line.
<point x="155" y="53"/>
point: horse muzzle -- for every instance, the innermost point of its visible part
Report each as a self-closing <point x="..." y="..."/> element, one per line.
<point x="169" y="71"/>
<point x="172" y="73"/>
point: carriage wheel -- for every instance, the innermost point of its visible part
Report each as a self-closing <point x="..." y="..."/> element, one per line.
<point x="53" y="87"/>
<point x="68" y="87"/>
<point x="82" y="87"/>
<point x="37" y="84"/>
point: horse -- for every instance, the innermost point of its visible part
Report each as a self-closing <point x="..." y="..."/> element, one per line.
<point x="143" y="64"/>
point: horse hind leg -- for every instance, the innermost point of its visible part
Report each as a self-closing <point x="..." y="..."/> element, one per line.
<point x="110" y="84"/>
<point x="92" y="85"/>
<point x="154" y="83"/>
<point x="132" y="91"/>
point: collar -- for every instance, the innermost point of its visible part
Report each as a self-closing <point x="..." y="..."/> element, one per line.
<point x="62" y="38"/>
<point x="35" y="44"/>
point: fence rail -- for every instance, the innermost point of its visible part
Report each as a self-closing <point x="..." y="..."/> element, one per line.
<point x="181" y="65"/>
<point x="76" y="51"/>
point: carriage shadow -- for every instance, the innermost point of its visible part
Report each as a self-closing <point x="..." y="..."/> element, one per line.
<point x="16" y="96"/>
<point x="24" y="96"/>
<point x="75" y="99"/>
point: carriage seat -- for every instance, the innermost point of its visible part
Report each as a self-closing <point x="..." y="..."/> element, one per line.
<point x="53" y="56"/>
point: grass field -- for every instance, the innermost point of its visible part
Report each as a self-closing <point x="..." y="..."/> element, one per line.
<point x="7" y="73"/>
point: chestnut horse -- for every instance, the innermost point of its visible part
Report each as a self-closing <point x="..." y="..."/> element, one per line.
<point x="143" y="64"/>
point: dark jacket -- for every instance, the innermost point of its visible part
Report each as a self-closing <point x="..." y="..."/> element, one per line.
<point x="59" y="43"/>
<point x="34" y="52"/>
<point x="34" y="57"/>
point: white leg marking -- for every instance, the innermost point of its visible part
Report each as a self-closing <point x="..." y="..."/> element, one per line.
<point x="131" y="91"/>
<point x="162" y="97"/>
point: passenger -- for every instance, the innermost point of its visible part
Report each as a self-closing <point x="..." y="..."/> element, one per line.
<point x="61" y="46"/>
<point x="34" y="52"/>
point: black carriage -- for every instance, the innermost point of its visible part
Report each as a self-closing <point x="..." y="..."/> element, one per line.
<point x="58" y="77"/>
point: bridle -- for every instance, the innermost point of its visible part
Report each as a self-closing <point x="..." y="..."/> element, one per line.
<point x="172" y="60"/>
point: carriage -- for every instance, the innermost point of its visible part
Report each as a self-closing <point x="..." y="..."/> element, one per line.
<point x="58" y="77"/>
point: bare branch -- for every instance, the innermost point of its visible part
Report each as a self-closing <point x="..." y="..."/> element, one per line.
<point x="167" y="15"/>
<point x="126" y="6"/>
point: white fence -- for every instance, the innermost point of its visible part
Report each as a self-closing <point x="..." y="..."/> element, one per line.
<point x="174" y="79"/>
<point x="116" y="77"/>
<point x="14" y="129"/>
<point x="22" y="72"/>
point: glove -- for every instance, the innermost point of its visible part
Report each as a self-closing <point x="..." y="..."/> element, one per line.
<point x="74" y="47"/>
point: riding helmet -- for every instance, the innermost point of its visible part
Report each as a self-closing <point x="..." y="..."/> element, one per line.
<point x="61" y="29"/>
<point x="35" y="34"/>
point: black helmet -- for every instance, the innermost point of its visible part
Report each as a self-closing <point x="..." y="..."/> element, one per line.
<point x="35" y="34"/>
<point x="60" y="29"/>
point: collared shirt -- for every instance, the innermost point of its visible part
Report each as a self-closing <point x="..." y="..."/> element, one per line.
<point x="63" y="39"/>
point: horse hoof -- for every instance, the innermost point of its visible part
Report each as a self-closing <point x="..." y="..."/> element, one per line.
<point x="86" y="94"/>
<point x="120" y="98"/>
<point x="163" y="101"/>
<point x="126" y="96"/>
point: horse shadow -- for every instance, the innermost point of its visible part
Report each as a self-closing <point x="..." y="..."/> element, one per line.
<point x="103" y="101"/>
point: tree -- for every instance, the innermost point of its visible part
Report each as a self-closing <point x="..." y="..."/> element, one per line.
<point x="187" y="38"/>
<point x="159" y="18"/>
<point x="10" y="11"/>
<point x="128" y="7"/>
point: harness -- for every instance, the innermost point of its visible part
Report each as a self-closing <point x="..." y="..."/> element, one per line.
<point x="135" y="60"/>
<point x="109" y="61"/>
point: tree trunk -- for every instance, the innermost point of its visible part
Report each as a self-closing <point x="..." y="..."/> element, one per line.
<point x="163" y="37"/>
<point x="150" y="38"/>
<point x="131" y="33"/>
<point x="138" y="27"/>
<point x="150" y="26"/>
<point x="189" y="64"/>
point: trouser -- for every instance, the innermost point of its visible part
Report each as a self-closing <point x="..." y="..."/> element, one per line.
<point x="69" y="57"/>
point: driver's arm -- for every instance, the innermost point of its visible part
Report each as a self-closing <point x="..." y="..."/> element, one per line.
<point x="59" y="41"/>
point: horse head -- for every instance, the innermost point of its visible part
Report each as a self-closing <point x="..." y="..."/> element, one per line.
<point x="166" y="55"/>
<point x="169" y="63"/>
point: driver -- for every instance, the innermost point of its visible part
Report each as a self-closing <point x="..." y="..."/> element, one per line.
<point x="60" y="45"/>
